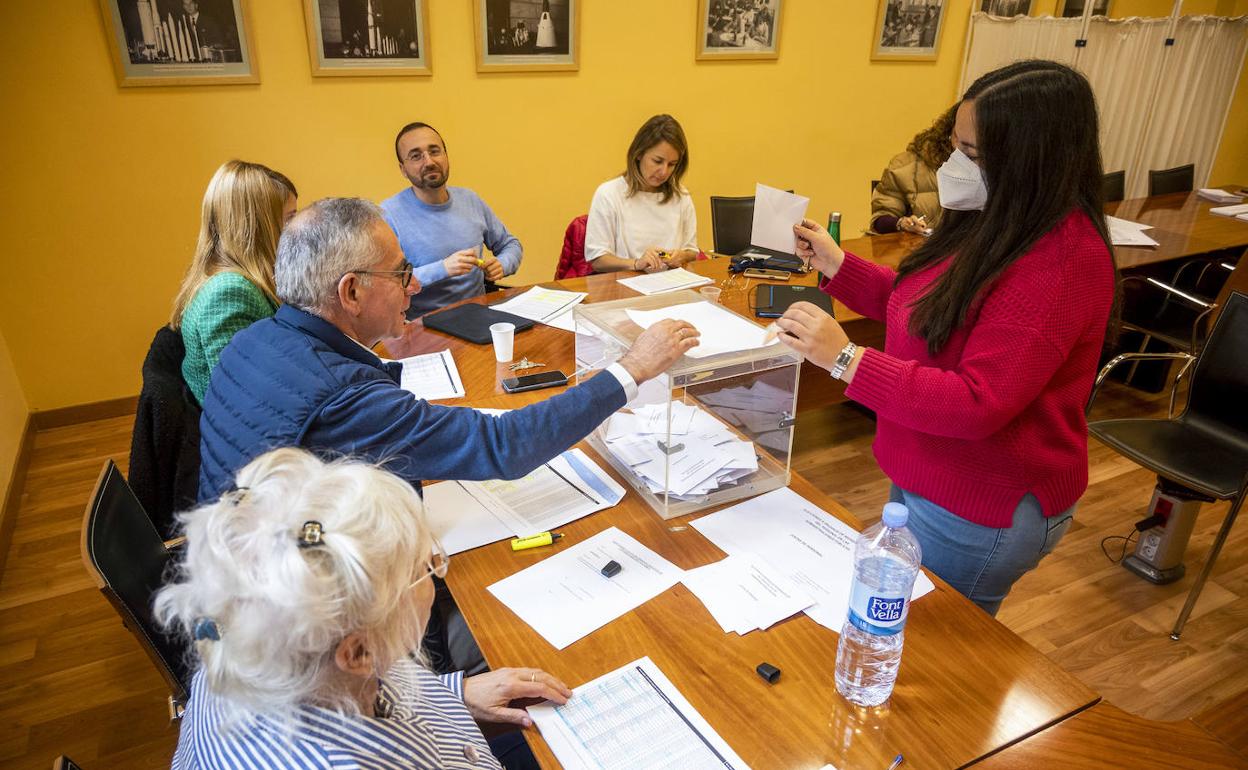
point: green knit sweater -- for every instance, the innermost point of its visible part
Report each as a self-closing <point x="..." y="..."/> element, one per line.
<point x="225" y="304"/>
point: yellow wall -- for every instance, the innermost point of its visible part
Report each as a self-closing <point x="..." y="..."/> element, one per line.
<point x="12" y="418"/>
<point x="100" y="201"/>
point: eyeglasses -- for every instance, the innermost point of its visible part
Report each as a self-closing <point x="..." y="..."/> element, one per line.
<point x="405" y="273"/>
<point x="439" y="562"/>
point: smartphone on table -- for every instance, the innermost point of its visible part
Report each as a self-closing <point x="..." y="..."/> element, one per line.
<point x="534" y="381"/>
<point x="765" y="274"/>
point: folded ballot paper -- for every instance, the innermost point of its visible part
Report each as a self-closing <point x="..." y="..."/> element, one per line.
<point x="1218" y="195"/>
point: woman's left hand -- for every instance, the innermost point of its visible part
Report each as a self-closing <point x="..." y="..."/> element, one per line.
<point x="810" y="331"/>
<point x="488" y="696"/>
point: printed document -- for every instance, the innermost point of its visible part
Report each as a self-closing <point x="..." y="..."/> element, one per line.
<point x="722" y="331"/>
<point x="565" y="596"/>
<point x="632" y="717"/>
<point x="1123" y="232"/>
<point x="548" y="306"/>
<point x="810" y="546"/>
<point x="432" y="376"/>
<point x="743" y="593"/>
<point x="664" y="281"/>
<point x="775" y="213"/>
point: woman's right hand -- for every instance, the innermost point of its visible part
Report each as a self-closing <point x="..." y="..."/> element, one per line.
<point x="815" y="245"/>
<point x="650" y="262"/>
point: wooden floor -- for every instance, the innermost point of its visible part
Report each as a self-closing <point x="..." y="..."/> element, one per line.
<point x="72" y="680"/>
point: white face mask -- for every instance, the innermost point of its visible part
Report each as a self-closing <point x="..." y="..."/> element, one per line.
<point x="960" y="184"/>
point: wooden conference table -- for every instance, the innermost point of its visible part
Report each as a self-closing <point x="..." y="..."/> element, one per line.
<point x="968" y="685"/>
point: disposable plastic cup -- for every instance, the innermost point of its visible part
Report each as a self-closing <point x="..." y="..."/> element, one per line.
<point x="710" y="293"/>
<point x="504" y="335"/>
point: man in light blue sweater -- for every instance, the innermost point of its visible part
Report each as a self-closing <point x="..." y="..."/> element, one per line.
<point x="442" y="229"/>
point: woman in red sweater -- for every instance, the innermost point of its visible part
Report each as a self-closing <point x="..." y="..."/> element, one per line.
<point x="994" y="329"/>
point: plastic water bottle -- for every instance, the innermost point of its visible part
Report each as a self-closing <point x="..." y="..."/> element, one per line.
<point x="887" y="558"/>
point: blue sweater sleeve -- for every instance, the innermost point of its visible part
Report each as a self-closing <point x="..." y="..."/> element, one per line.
<point x="501" y="243"/>
<point x="424" y="441"/>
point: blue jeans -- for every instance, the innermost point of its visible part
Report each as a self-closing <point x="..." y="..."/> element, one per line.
<point x="980" y="562"/>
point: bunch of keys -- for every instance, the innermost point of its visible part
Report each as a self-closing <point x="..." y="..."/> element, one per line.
<point x="524" y="363"/>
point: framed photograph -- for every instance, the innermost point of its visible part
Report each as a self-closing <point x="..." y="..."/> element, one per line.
<point x="1006" y="7"/>
<point x="1069" y="8"/>
<point x="738" y="29"/>
<point x="180" y="42"/>
<point x="908" y="30"/>
<point x="368" y="37"/>
<point x="527" y="35"/>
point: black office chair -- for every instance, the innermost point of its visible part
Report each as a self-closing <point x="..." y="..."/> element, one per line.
<point x="1205" y="449"/>
<point x="874" y="184"/>
<point x="65" y="763"/>
<point x="126" y="557"/>
<point x="732" y="222"/>
<point x="1171" y="180"/>
<point x="164" y="448"/>
<point x="1114" y="186"/>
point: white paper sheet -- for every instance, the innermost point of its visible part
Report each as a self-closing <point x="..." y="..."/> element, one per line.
<point x="565" y="489"/>
<point x="458" y="521"/>
<point x="548" y="306"/>
<point x="744" y="594"/>
<point x="565" y="596"/>
<point x="1230" y="211"/>
<point x="1218" y="195"/>
<point x="664" y="281"/>
<point x="722" y="331"/>
<point x="633" y="717"/>
<point x="801" y="540"/>
<point x="432" y="376"/>
<point x="775" y="213"/>
<point x="1123" y="232"/>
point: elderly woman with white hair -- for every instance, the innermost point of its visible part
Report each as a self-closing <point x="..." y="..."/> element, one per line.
<point x="306" y="590"/>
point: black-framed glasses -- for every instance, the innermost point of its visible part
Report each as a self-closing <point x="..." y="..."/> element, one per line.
<point x="405" y="274"/>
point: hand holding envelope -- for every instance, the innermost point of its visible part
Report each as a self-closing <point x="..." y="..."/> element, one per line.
<point x="775" y="213"/>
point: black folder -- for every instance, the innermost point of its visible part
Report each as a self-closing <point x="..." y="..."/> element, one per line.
<point x="771" y="300"/>
<point x="471" y="322"/>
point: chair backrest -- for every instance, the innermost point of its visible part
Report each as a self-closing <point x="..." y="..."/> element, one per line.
<point x="1219" y="384"/>
<point x="1171" y="180"/>
<point x="732" y="223"/>
<point x="1114" y="186"/>
<point x="164" y="448"/>
<point x="64" y="763"/>
<point x="572" y="262"/>
<point x="127" y="557"/>
<point x="874" y="184"/>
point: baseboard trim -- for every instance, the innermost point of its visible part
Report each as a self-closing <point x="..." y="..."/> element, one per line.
<point x="17" y="482"/>
<point x="79" y="413"/>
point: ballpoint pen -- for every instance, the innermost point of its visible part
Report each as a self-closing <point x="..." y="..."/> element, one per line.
<point x="896" y="761"/>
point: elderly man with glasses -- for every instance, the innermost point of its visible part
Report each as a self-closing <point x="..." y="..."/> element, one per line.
<point x="307" y="377"/>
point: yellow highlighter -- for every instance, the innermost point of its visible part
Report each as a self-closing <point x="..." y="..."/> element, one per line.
<point x="535" y="541"/>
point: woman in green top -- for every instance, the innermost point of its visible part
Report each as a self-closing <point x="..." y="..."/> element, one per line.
<point x="229" y="284"/>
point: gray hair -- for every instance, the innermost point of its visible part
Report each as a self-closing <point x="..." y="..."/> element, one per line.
<point x="321" y="244"/>
<point x="280" y="609"/>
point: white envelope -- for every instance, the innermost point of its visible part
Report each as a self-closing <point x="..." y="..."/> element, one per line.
<point x="775" y="213"/>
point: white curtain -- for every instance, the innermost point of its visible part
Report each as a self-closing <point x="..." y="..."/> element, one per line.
<point x="1160" y="106"/>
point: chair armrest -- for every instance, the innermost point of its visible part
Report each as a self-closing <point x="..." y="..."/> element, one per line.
<point x="1118" y="359"/>
<point x="1178" y="293"/>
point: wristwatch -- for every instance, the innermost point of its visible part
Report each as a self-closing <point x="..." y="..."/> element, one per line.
<point x="843" y="360"/>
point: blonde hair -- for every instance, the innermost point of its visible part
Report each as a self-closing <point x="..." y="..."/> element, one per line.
<point x="280" y="609"/>
<point x="240" y="223"/>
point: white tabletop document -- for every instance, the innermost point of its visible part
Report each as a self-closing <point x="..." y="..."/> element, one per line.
<point x="664" y="281"/>
<point x="432" y="376"/>
<point x="800" y="540"/>
<point x="565" y="596"/>
<point x="633" y="717"/>
<point x="721" y="331"/>
<point x="745" y="594"/>
<point x="1124" y="232"/>
<point x="468" y="514"/>
<point x="552" y="307"/>
<point x="775" y="213"/>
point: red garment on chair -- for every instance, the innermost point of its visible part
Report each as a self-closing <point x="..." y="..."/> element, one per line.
<point x="572" y="262"/>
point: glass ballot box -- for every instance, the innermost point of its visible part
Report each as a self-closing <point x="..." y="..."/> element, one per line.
<point x="717" y="426"/>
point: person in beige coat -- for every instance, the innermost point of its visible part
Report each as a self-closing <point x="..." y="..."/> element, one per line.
<point x="905" y="198"/>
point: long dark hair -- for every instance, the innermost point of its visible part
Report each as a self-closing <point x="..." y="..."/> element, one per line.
<point x="660" y="128"/>
<point x="1038" y="142"/>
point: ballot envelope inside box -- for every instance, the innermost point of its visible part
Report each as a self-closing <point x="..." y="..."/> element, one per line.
<point x="717" y="426"/>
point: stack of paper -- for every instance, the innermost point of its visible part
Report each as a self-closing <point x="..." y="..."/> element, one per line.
<point x="1218" y="196"/>
<point x="722" y="331"/>
<point x="548" y="306"/>
<point x="1123" y="232"/>
<point x="698" y="457"/>
<point x="744" y="594"/>
<point x="664" y="281"/>
<point x="1230" y="211"/>
<point x="432" y="376"/>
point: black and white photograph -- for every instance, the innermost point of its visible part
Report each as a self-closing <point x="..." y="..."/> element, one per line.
<point x="908" y="30"/>
<point x="368" y="37"/>
<point x="179" y="42"/>
<point x="738" y="29"/>
<point x="1074" y="8"/>
<point x="1006" y="7"/>
<point x="526" y="34"/>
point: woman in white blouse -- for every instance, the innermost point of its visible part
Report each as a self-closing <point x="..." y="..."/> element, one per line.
<point x="306" y="591"/>
<point x="643" y="219"/>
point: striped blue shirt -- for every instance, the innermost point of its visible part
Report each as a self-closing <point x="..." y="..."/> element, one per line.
<point x="422" y="723"/>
